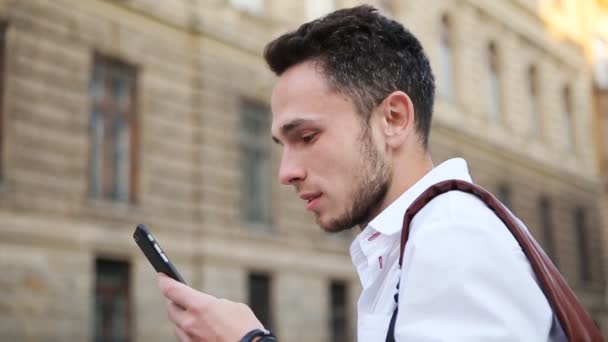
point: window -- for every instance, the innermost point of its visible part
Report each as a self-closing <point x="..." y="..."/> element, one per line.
<point x="567" y="120"/>
<point x="504" y="195"/>
<point x="252" y="6"/>
<point x="546" y="222"/>
<point x="260" y="298"/>
<point x="582" y="236"/>
<point x="2" y="76"/>
<point x="446" y="72"/>
<point x="319" y="8"/>
<point x="256" y="173"/>
<point x="600" y="48"/>
<point x="493" y="83"/>
<point x="113" y="138"/>
<point x="384" y="6"/>
<point x="112" y="305"/>
<point x="339" y="312"/>
<point x="535" y="108"/>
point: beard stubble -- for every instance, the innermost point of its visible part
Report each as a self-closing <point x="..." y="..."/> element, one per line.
<point x="371" y="186"/>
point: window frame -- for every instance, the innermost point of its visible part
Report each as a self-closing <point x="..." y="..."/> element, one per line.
<point x="335" y="315"/>
<point x="255" y="141"/>
<point x="3" y="69"/>
<point x="266" y="318"/>
<point x="494" y="86"/>
<point x="446" y="59"/>
<point x="101" y="171"/>
<point x="581" y="223"/>
<point x="505" y="193"/>
<point x="534" y="95"/>
<point x="545" y="213"/>
<point x="568" y="117"/>
<point x="127" y="292"/>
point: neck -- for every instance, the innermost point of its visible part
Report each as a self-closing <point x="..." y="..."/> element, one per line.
<point x="406" y="172"/>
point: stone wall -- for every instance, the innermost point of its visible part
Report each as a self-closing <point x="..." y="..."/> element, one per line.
<point x="196" y="61"/>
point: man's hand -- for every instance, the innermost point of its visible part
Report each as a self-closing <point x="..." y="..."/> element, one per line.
<point x="200" y="317"/>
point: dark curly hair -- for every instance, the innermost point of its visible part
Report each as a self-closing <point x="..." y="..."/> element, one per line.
<point x="364" y="55"/>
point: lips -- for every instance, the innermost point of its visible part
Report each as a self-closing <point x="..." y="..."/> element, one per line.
<point x="312" y="199"/>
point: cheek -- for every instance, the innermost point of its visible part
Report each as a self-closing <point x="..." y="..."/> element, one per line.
<point x="336" y="162"/>
<point x="343" y="172"/>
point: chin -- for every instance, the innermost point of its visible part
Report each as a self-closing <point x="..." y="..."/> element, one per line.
<point x="331" y="225"/>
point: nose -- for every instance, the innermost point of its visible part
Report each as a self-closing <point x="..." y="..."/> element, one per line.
<point x="291" y="170"/>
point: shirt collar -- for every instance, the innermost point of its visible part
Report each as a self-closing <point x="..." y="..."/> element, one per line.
<point x="390" y="220"/>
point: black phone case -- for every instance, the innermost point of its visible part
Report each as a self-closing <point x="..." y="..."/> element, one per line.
<point x="157" y="257"/>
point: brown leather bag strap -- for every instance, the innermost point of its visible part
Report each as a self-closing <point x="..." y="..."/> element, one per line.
<point x="576" y="323"/>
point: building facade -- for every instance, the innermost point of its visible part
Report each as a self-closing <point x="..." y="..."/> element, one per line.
<point x="585" y="23"/>
<point x="116" y="113"/>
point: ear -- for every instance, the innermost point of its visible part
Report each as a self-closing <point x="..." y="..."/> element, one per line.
<point x="397" y="118"/>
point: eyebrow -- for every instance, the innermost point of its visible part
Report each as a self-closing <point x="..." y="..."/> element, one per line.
<point x="290" y="127"/>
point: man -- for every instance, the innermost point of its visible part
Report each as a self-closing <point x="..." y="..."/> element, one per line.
<point x="352" y="112"/>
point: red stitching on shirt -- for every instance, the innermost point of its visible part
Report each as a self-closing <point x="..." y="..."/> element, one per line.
<point x="374" y="236"/>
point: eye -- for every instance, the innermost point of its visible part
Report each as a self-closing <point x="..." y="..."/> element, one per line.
<point x="308" y="137"/>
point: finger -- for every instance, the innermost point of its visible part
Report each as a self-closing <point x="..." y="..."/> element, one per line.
<point x="177" y="314"/>
<point x="181" y="294"/>
<point x="181" y="335"/>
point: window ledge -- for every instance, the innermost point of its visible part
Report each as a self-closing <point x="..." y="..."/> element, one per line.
<point x="111" y="209"/>
<point x="257" y="227"/>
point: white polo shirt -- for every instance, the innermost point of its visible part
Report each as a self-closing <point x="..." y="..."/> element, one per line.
<point x="464" y="276"/>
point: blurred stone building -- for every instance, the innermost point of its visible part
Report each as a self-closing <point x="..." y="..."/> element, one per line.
<point x="120" y="112"/>
<point x="585" y="22"/>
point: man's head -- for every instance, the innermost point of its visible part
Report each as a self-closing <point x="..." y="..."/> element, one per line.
<point x="354" y="95"/>
<point x="363" y="55"/>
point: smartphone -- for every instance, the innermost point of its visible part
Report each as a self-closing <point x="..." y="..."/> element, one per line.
<point x="157" y="257"/>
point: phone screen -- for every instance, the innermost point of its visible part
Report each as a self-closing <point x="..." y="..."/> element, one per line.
<point x="157" y="257"/>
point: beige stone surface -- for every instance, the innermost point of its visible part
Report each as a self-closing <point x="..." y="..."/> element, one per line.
<point x="196" y="61"/>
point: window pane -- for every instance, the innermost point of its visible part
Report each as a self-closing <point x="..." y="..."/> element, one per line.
<point x="250" y="205"/>
<point x="544" y="208"/>
<point x="504" y="195"/>
<point x="260" y="293"/>
<point x="339" y="312"/>
<point x="111" y="128"/>
<point x="96" y="151"/>
<point x="96" y="86"/>
<point x="122" y="162"/>
<point x="600" y="50"/>
<point x="319" y="8"/>
<point x="494" y="96"/>
<point x="535" y="108"/>
<point x="2" y="77"/>
<point x="567" y="122"/>
<point x="112" y="318"/>
<point x="584" y="255"/>
<point x="446" y="82"/>
<point x="252" y="6"/>
<point x="256" y="173"/>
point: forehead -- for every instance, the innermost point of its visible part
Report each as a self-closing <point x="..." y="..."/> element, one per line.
<point x="303" y="93"/>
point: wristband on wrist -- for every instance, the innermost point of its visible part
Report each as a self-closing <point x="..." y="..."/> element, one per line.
<point x="265" y="336"/>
